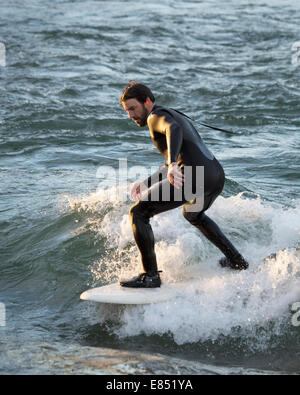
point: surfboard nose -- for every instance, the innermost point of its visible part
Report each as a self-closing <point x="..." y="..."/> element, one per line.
<point x="84" y="295"/>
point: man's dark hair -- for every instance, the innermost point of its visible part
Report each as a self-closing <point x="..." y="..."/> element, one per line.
<point x="135" y="90"/>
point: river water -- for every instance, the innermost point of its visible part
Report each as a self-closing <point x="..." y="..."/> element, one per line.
<point x="231" y="64"/>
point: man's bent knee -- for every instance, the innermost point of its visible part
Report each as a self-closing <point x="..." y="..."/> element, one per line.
<point x="195" y="218"/>
<point x="138" y="210"/>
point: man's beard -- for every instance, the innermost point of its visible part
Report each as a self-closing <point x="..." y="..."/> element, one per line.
<point x="142" y="121"/>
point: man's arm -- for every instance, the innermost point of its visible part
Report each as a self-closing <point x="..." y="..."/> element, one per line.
<point x="165" y="124"/>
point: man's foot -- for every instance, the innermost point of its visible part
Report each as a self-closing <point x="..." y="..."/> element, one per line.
<point x="143" y="280"/>
<point x="237" y="263"/>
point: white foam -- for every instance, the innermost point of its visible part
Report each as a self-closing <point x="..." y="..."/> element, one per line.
<point x="221" y="300"/>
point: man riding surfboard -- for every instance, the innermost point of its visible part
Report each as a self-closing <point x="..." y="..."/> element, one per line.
<point x="175" y="137"/>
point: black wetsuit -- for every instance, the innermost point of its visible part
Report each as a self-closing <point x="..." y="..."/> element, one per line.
<point x="175" y="137"/>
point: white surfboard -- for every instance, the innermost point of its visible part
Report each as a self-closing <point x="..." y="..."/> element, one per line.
<point x="116" y="294"/>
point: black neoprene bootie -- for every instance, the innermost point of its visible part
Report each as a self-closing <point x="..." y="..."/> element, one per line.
<point x="237" y="263"/>
<point x="143" y="280"/>
<point x="213" y="233"/>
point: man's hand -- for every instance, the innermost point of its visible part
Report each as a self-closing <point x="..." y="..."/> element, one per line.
<point x="137" y="190"/>
<point x="175" y="177"/>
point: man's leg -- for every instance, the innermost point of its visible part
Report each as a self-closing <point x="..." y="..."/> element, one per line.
<point x="214" y="234"/>
<point x="162" y="197"/>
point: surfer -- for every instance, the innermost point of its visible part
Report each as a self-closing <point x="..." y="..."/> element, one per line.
<point x="175" y="137"/>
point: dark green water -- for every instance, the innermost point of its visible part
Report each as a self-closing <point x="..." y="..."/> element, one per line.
<point x="224" y="63"/>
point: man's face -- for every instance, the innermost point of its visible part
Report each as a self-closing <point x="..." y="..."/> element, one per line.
<point x="136" y="111"/>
